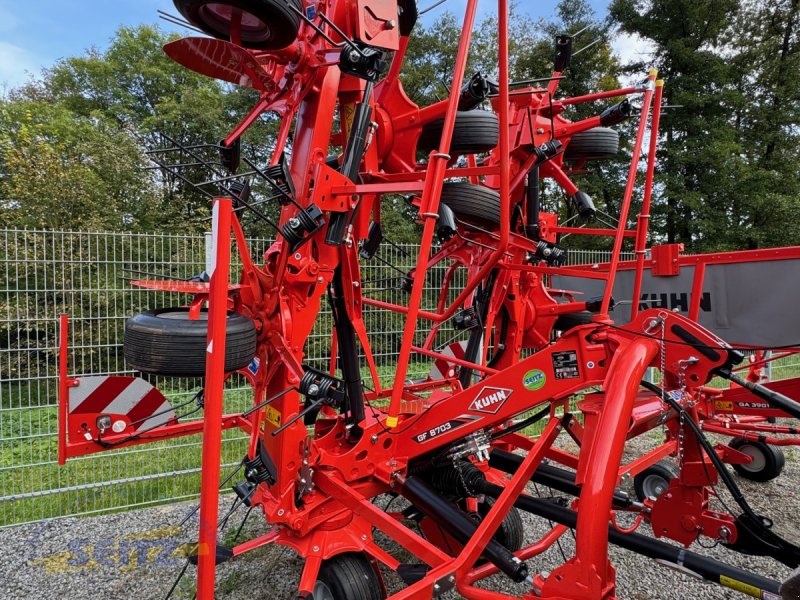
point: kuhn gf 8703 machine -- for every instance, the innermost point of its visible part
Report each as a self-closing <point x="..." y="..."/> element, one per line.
<point x="456" y="447"/>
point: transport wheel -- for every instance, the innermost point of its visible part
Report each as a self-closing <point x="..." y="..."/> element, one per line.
<point x="595" y="144"/>
<point x="653" y="481"/>
<point x="475" y="131"/>
<point x="474" y="203"/>
<point x="348" y="576"/>
<point x="266" y="24"/>
<point x="166" y="342"/>
<point x="511" y="532"/>
<point x="768" y="461"/>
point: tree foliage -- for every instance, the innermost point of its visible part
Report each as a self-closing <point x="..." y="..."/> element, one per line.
<point x="726" y="177"/>
<point x="72" y="142"/>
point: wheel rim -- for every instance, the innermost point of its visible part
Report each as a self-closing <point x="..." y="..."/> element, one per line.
<point x="218" y="17"/>
<point x="322" y="591"/>
<point x="224" y="14"/>
<point x="654" y="485"/>
<point x="759" y="461"/>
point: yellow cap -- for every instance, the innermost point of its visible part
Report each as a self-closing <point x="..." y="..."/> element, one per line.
<point x="653" y="72"/>
<point x="659" y="83"/>
<point x="391" y="422"/>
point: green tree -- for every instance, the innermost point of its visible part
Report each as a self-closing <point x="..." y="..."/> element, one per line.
<point x="137" y="91"/>
<point x="766" y="205"/>
<point x="725" y="176"/>
<point x="68" y="172"/>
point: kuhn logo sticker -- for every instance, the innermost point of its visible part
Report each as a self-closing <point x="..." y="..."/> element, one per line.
<point x="490" y="400"/>
<point x="534" y="380"/>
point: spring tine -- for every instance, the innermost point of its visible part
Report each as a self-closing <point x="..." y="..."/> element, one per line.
<point x="587" y="46"/>
<point x="173" y="21"/>
<point x="178" y="580"/>
<point x="241" y="525"/>
<point x="431" y="7"/>
<point x="580" y="31"/>
<point x="310" y="408"/>
<point x="228" y="178"/>
<point x="250" y="411"/>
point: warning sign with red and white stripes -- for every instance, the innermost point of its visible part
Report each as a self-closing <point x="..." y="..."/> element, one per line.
<point x="442" y="369"/>
<point x="131" y="402"/>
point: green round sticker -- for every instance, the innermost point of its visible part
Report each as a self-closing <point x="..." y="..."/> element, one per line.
<point x="534" y="380"/>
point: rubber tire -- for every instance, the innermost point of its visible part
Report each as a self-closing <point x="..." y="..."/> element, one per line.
<point x="282" y="23"/>
<point x="599" y="143"/>
<point x="474" y="203"/>
<point x="774" y="460"/>
<point x="351" y="576"/>
<point x="664" y="469"/>
<point x="166" y="342"/>
<point x="511" y="532"/>
<point x="475" y="131"/>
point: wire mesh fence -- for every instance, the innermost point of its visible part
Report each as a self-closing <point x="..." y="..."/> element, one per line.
<point x="87" y="275"/>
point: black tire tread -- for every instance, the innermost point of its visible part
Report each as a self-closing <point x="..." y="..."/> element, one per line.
<point x="266" y="10"/>
<point x="350" y="576"/>
<point x="470" y="202"/>
<point x="666" y="469"/>
<point x="177" y="347"/>
<point x="475" y="131"/>
<point x="599" y="143"/>
<point x="775" y="458"/>
<point x="511" y="532"/>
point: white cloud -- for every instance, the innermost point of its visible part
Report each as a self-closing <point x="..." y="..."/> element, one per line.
<point x="16" y="64"/>
<point x="632" y="48"/>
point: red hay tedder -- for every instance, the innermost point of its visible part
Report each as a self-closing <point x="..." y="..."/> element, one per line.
<point x="456" y="446"/>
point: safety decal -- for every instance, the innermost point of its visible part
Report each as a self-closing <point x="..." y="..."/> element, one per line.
<point x="273" y="416"/>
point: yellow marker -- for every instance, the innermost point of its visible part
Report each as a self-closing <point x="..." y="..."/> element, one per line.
<point x="273" y="416"/>
<point x="391" y="422"/>
<point x="740" y="586"/>
<point x="653" y="72"/>
<point x="659" y="83"/>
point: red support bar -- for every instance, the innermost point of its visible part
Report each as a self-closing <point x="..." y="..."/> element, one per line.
<point x="454" y="360"/>
<point x="627" y="198"/>
<point x="605" y="451"/>
<point x="592" y="231"/>
<point x="643" y="223"/>
<point x="587" y="575"/>
<point x="430" y="201"/>
<point x="697" y="291"/>
<point x="213" y="399"/>
<point x="600" y="96"/>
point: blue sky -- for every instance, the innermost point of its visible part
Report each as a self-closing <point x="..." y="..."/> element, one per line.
<point x="36" y="33"/>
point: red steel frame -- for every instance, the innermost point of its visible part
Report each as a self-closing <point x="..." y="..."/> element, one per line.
<point x="282" y="296"/>
<point x="729" y="412"/>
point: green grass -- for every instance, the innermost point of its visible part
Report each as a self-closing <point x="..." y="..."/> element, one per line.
<point x="29" y="468"/>
<point x="29" y="454"/>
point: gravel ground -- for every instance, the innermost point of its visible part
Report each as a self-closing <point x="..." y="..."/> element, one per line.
<point x="138" y="554"/>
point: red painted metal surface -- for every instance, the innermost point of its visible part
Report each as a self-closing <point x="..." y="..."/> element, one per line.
<point x="328" y="476"/>
<point x="213" y="398"/>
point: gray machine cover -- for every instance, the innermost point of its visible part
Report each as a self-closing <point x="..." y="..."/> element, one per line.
<point x="749" y="303"/>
